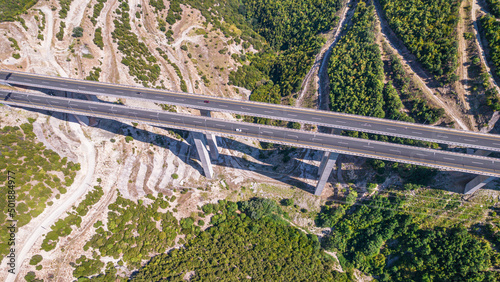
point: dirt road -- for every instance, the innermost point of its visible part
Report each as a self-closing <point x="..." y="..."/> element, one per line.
<point x="318" y="70"/>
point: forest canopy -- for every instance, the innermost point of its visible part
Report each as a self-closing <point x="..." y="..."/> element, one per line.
<point x="428" y="29"/>
<point x="356" y="69"/>
<point x="254" y="244"/>
<point x="291" y="29"/>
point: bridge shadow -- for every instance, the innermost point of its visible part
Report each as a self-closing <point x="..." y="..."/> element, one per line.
<point x="266" y="166"/>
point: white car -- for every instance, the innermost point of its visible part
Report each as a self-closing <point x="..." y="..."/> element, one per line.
<point x="238" y="129"/>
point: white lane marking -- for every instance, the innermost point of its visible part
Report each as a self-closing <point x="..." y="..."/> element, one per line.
<point x="221" y="125"/>
<point x="417" y="132"/>
<point x="318" y="139"/>
<point x="45" y="82"/>
<point x="496" y="144"/>
<point x="345" y="143"/>
<point x="35" y="99"/>
<point x="245" y="108"/>
<point x="339" y="121"/>
<point x="64" y="85"/>
<point x="179" y="99"/>
<point x="448" y="159"/>
<point x="395" y="151"/>
<point x="292" y="115"/>
<point x="269" y="112"/>
<point x="418" y="154"/>
<point x="222" y="105"/>
<point x="442" y="136"/>
<point x="293" y="136"/>
<point x="316" y="118"/>
<point x="81" y="86"/>
<point x="196" y="121"/>
<point x="268" y="132"/>
<point x="366" y="146"/>
<point x="477" y="163"/>
<point x="392" y="129"/>
<point x="176" y="118"/>
<point x="118" y="91"/>
<point x="469" y="140"/>
<point x="152" y="115"/>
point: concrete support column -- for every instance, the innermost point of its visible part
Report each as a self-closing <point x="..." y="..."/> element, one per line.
<point x="201" y="148"/>
<point x="326" y="167"/>
<point x="477" y="183"/>
<point x="480" y="180"/>
<point x="324" y="160"/>
<point x="211" y="139"/>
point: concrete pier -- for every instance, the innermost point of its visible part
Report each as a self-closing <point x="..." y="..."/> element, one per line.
<point x="326" y="167"/>
<point x="480" y="180"/>
<point x="211" y="139"/>
<point x="477" y="183"/>
<point x="201" y="148"/>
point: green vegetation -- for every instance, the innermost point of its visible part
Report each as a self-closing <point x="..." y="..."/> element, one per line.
<point x="256" y="243"/>
<point x="98" y="38"/>
<point x="86" y="267"/>
<point x="400" y="80"/>
<point x="77" y="31"/>
<point x="94" y="74"/>
<point x="97" y="11"/>
<point x="31" y="277"/>
<point x="63" y="13"/>
<point x="396" y="246"/>
<point x="41" y="24"/>
<point x="287" y="202"/>
<point x="16" y="55"/>
<point x="492" y="30"/>
<point x="291" y="28"/>
<point x="14" y="44"/>
<point x="356" y="69"/>
<point x="36" y="259"/>
<point x="9" y="10"/>
<point x="137" y="57"/>
<point x="428" y="29"/>
<point x="158" y="5"/>
<point x="176" y="68"/>
<point x="60" y="33"/>
<point x="174" y="12"/>
<point x="36" y="169"/>
<point x="494" y="6"/>
<point x="63" y="227"/>
<point x="131" y="233"/>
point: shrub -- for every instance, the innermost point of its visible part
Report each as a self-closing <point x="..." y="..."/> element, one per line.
<point x="77" y="31"/>
<point x="287" y="202"/>
<point x="36" y="259"/>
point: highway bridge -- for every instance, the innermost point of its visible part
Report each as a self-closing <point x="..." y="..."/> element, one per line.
<point x="440" y="135"/>
<point x="486" y="166"/>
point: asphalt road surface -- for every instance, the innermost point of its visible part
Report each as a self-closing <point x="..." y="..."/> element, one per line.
<point x="441" y="135"/>
<point x="320" y="141"/>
